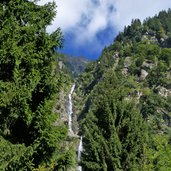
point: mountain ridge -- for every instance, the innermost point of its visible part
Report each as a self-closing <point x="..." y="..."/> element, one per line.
<point x="74" y="66"/>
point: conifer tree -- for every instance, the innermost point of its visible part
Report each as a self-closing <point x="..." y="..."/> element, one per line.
<point x="29" y="83"/>
<point x="114" y="130"/>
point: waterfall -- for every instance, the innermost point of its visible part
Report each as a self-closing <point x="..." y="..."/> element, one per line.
<point x="80" y="149"/>
<point x="70" y="110"/>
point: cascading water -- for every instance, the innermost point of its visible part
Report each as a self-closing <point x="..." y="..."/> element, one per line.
<point x="70" y="112"/>
<point x="80" y="149"/>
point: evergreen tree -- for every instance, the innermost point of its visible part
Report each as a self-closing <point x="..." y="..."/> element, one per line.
<point x="115" y="133"/>
<point x="29" y="84"/>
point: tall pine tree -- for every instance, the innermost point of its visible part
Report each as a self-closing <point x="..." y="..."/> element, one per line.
<point x="29" y="82"/>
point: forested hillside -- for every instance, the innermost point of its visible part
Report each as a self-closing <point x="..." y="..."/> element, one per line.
<point x="72" y="65"/>
<point x="124" y="100"/>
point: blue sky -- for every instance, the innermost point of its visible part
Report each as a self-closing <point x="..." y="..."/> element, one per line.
<point x="90" y="25"/>
<point x="90" y="49"/>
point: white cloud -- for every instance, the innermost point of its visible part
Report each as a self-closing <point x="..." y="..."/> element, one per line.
<point x="137" y="9"/>
<point x="85" y="18"/>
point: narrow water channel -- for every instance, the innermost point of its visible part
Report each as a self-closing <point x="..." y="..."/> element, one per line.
<point x="71" y="132"/>
<point x="70" y="111"/>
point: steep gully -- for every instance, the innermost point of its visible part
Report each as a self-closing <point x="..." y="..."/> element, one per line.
<point x="71" y="132"/>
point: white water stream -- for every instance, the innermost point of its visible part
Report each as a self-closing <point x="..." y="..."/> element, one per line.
<point x="80" y="149"/>
<point x="70" y="112"/>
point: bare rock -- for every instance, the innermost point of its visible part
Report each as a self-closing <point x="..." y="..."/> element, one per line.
<point x="127" y="62"/>
<point x="163" y="91"/>
<point x="148" y="64"/>
<point x="125" y="71"/>
<point x="144" y="74"/>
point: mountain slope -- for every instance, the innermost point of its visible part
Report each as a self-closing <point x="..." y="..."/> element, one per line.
<point x="124" y="100"/>
<point x="74" y="66"/>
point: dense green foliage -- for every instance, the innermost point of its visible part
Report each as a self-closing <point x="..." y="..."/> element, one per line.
<point x="125" y="112"/>
<point x="29" y="86"/>
<point x="115" y="133"/>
